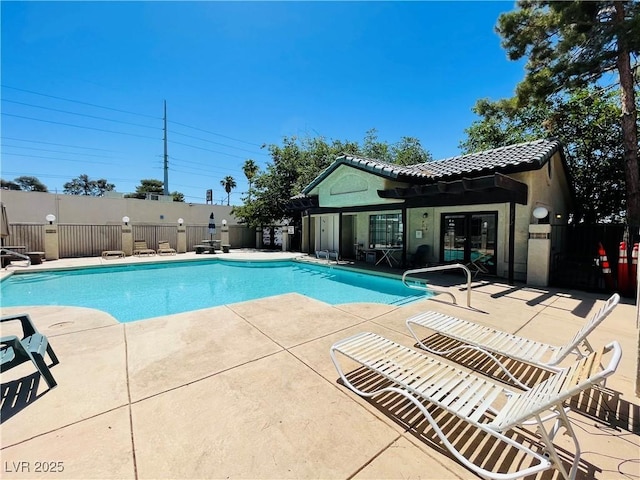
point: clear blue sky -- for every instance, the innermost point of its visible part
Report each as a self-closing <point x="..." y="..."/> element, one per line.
<point x="235" y="75"/>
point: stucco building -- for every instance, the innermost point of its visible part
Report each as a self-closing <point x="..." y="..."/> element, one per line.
<point x="471" y="208"/>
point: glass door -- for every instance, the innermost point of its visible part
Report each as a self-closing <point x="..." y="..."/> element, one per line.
<point x="470" y="239"/>
<point x="455" y="238"/>
<point x="482" y="253"/>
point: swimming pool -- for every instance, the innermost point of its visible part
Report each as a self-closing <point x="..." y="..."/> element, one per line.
<point x="136" y="292"/>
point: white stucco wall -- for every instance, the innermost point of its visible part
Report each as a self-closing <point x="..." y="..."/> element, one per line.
<point x="33" y="207"/>
<point x="347" y="186"/>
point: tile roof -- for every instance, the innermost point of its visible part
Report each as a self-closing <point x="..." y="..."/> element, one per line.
<point x="512" y="158"/>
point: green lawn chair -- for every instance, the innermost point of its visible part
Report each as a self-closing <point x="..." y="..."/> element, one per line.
<point x="32" y="346"/>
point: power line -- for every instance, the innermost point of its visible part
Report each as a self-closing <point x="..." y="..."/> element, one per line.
<point x="127" y="112"/>
<point x="218" y="143"/>
<point x="126" y="123"/>
<point x="79" y="114"/>
<point x="80" y="102"/>
<point x="79" y="126"/>
<point x="191" y="172"/>
<point x="218" y="134"/>
<point x="207" y="149"/>
<point x="56" y="151"/>
<point x="56" y="144"/>
<point x="54" y="158"/>
<point x="179" y="160"/>
<point x="46" y="175"/>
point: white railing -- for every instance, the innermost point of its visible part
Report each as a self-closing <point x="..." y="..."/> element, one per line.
<point x="5" y="252"/>
<point x="327" y="254"/>
<point x="436" y="269"/>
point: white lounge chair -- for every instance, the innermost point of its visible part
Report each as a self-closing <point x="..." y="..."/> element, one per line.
<point x="140" y="249"/>
<point x="165" y="249"/>
<point x="491" y="341"/>
<point x="474" y="398"/>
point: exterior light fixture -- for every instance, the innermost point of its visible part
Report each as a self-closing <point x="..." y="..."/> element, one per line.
<point x="50" y="218"/>
<point x="125" y="220"/>
<point x="540" y="212"/>
<point x="425" y="215"/>
<point x="224" y="223"/>
<point x="180" y="221"/>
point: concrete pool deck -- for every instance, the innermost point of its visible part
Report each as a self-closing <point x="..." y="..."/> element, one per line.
<point x="248" y="390"/>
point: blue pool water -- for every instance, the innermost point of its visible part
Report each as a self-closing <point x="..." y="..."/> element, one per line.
<point x="135" y="292"/>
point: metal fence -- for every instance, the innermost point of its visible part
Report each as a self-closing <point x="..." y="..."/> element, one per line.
<point x="91" y="240"/>
<point x="28" y="235"/>
<point x="88" y="240"/>
<point x="154" y="234"/>
<point x="575" y="262"/>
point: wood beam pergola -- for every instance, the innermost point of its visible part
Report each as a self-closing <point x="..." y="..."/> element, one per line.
<point x="487" y="186"/>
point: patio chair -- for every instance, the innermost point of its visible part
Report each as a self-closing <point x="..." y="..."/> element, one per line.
<point x="492" y="342"/>
<point x="427" y="381"/>
<point x="165" y="249"/>
<point x="421" y="257"/>
<point x="140" y="248"/>
<point x="33" y="345"/>
<point x="480" y="264"/>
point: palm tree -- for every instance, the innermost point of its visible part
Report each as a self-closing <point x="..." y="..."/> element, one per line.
<point x="250" y="169"/>
<point x="229" y="184"/>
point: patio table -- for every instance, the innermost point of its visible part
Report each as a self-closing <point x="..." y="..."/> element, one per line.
<point x="387" y="254"/>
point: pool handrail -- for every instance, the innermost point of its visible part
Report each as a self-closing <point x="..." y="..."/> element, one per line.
<point x="435" y="269"/>
<point x="5" y="252"/>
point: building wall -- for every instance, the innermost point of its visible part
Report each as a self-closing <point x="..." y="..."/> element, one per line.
<point x="350" y="186"/>
<point x="33" y="207"/>
<point x="548" y="186"/>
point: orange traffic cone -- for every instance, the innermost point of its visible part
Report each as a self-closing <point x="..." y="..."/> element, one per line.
<point x="623" y="270"/>
<point x="606" y="268"/>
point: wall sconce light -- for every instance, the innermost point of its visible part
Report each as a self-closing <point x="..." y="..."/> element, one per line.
<point x="125" y="220"/>
<point x="558" y="216"/>
<point x="50" y="218"/>
<point x="180" y="221"/>
<point x="540" y="212"/>
<point x="224" y="223"/>
<point x="425" y="215"/>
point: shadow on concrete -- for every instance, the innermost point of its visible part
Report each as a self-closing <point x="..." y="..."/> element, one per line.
<point x="605" y="405"/>
<point x="19" y="394"/>
<point x="482" y="449"/>
<point x="481" y="363"/>
<point x="601" y="404"/>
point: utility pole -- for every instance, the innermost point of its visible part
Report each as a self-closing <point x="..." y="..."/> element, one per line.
<point x="166" y="155"/>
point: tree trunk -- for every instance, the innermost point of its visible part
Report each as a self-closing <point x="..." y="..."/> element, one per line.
<point x="629" y="125"/>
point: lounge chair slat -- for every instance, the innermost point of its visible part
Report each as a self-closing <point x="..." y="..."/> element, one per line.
<point x="481" y="409"/>
<point x="443" y="374"/>
<point x="427" y="376"/>
<point x="440" y="392"/>
<point x="476" y="397"/>
<point x="494" y="341"/>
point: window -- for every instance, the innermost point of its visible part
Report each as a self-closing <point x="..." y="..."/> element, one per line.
<point x="385" y="230"/>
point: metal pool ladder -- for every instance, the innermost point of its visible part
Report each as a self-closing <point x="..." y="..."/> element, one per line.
<point x="435" y="269"/>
